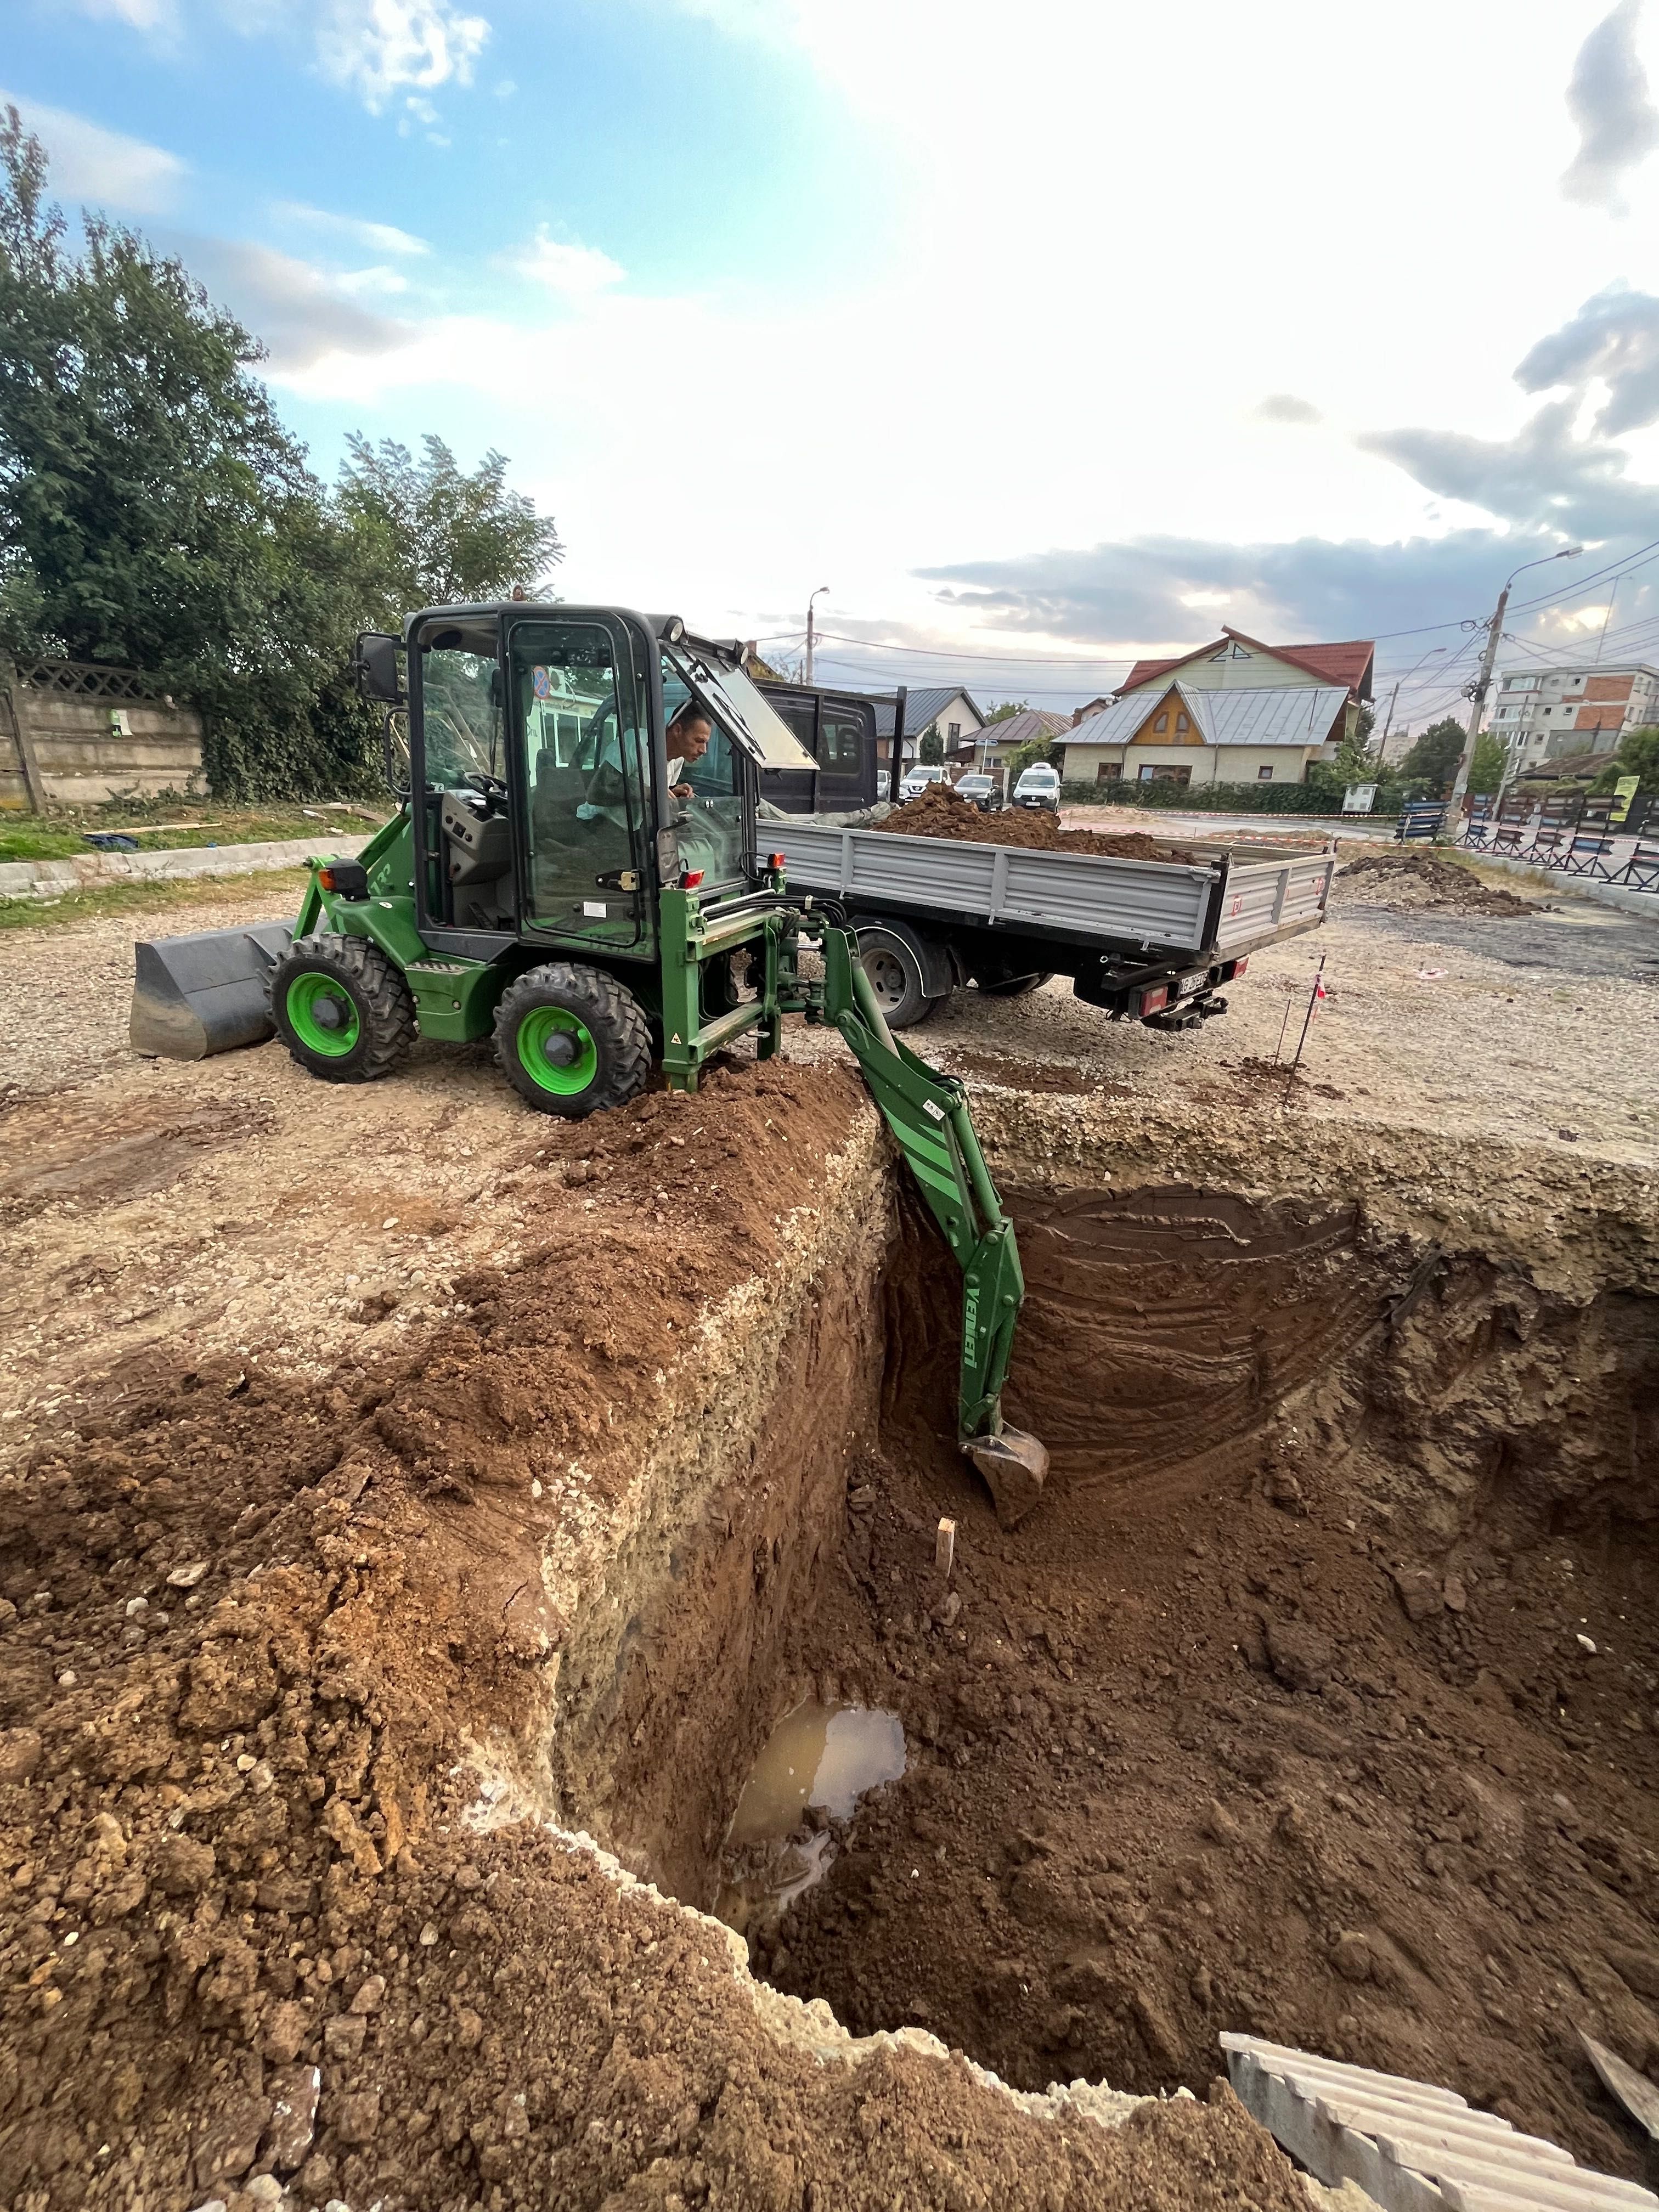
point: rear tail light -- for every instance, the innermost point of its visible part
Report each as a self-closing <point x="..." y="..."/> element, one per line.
<point x="776" y="860"/>
<point x="1239" y="966"/>
<point x="690" y="879"/>
<point x="1155" y="1000"/>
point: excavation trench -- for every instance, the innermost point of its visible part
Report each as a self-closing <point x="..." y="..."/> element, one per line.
<point x="1281" y="1710"/>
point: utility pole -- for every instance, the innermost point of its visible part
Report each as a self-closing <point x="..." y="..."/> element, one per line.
<point x="1482" y="683"/>
<point x="1388" y="719"/>
<point x="819" y="594"/>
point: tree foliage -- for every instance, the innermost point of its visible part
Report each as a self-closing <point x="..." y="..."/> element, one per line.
<point x="1029" y="754"/>
<point x="154" y="514"/>
<point x="1006" y="711"/>
<point x="431" y="535"/>
<point x="1638" y="755"/>
<point x="1433" y="759"/>
<point x="930" y="752"/>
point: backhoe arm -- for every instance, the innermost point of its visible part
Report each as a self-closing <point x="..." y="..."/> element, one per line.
<point x="927" y="1114"/>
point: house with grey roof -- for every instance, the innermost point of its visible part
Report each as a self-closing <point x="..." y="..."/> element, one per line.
<point x="941" y="706"/>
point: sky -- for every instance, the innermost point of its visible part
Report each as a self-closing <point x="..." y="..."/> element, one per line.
<point x="1044" y="337"/>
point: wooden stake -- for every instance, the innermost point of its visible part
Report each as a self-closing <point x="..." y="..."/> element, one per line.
<point x="944" y="1547"/>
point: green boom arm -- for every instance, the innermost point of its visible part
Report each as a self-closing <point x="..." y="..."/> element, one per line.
<point x="927" y="1114"/>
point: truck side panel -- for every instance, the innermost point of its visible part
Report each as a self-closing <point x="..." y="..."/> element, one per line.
<point x="1134" y="901"/>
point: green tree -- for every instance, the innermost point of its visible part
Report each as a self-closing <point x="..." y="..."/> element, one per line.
<point x="931" y="750"/>
<point x="154" y="512"/>
<point x="428" y="534"/>
<point x="1029" y="754"/>
<point x="1486" y="769"/>
<point x="1006" y="711"/>
<point x="1638" y="755"/>
<point x="1433" y="759"/>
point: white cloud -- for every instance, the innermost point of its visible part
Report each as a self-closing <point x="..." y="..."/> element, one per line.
<point x="301" y="315"/>
<point x="374" y="47"/>
<point x="103" y="168"/>
<point x="379" y="237"/>
<point x="575" y="272"/>
<point x="153" y="16"/>
<point x="379" y="279"/>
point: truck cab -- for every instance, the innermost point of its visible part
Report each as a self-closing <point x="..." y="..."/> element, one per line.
<point x="838" y="729"/>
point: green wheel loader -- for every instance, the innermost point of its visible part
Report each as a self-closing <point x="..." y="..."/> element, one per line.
<point x="573" y="872"/>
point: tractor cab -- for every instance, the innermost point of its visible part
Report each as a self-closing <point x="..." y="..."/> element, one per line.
<point x="550" y="797"/>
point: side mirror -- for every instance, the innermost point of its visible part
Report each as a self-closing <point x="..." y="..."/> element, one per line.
<point x="375" y="666"/>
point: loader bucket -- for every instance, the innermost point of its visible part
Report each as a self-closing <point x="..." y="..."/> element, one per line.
<point x="1015" y="1466"/>
<point x="194" y="996"/>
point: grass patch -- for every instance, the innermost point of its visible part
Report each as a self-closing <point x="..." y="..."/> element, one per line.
<point x="280" y="888"/>
<point x="158" y="826"/>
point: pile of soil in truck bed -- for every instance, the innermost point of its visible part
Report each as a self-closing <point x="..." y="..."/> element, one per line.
<point x="939" y="813"/>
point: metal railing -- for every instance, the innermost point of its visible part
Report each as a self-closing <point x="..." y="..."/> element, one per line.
<point x="1571" y="834"/>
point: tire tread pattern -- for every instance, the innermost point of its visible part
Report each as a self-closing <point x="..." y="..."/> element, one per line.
<point x="383" y="994"/>
<point x="614" y="1017"/>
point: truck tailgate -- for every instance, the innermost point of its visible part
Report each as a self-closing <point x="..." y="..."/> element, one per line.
<point x="1265" y="897"/>
<point x="1141" y="902"/>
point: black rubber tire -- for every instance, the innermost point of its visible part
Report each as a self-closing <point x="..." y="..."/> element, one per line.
<point x="384" y="1004"/>
<point x="1016" y="987"/>
<point x="895" y="976"/>
<point x="608" y="1011"/>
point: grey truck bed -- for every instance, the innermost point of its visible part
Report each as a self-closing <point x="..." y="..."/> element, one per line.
<point x="1225" y="904"/>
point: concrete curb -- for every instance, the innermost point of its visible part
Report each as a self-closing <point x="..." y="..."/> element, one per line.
<point x="1645" y="903"/>
<point x="92" y="870"/>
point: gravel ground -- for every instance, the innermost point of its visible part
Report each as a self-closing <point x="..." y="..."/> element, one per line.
<point x="122" y="1176"/>
<point x="1519" y="1029"/>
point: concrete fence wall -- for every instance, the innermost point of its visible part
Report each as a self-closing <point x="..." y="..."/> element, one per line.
<point x="76" y="736"/>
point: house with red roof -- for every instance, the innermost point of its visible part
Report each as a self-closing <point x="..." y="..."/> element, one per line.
<point x="1232" y="711"/>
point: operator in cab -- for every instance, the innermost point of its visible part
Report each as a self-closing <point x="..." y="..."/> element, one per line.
<point x="689" y="734"/>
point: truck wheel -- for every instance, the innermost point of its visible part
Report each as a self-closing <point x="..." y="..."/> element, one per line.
<point x="896" y="977"/>
<point x="342" y="1008"/>
<point x="571" y="1040"/>
<point x="1016" y="987"/>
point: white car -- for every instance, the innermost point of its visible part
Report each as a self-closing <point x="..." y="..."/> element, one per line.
<point x="918" y="779"/>
<point x="1038" y="786"/>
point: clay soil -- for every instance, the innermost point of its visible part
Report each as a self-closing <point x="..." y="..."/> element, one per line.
<point x="1281" y="1711"/>
<point x="1406" y="880"/>
<point x="938" y="813"/>
<point x="327" y="1413"/>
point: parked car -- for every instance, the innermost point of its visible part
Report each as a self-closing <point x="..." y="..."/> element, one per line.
<point x="1039" y="786"/>
<point x="984" y="792"/>
<point x="917" y="779"/>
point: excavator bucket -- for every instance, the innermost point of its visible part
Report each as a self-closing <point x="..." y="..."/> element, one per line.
<point x="1015" y="1466"/>
<point x="194" y="996"/>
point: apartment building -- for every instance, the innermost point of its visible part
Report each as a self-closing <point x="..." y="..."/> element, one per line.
<point x="1541" y="713"/>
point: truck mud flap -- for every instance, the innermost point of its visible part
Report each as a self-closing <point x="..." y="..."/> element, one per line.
<point x="194" y="996"/>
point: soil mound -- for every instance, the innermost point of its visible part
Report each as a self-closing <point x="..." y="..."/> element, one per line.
<point x="1418" y="881"/>
<point x="939" y="813"/>
<point x="262" y="1640"/>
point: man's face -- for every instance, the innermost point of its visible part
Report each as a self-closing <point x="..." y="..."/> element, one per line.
<point x="691" y="741"/>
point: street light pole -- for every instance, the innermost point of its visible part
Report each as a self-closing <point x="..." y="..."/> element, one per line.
<point x="819" y="594"/>
<point x="1494" y="631"/>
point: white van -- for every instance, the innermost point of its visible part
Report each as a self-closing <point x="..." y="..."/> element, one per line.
<point x="1039" y="786"/>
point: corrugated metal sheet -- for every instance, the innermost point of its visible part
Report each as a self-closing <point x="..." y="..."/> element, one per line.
<point x="922" y="705"/>
<point x="1303" y="716"/>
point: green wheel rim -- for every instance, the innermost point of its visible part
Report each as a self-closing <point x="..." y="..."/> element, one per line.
<point x="322" y="1015"/>
<point x="557" y="1026"/>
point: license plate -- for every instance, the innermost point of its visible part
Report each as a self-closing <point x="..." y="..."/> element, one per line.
<point x="1195" y="981"/>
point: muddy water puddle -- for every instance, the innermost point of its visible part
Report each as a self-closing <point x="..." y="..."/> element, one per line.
<point x="801" y="1793"/>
